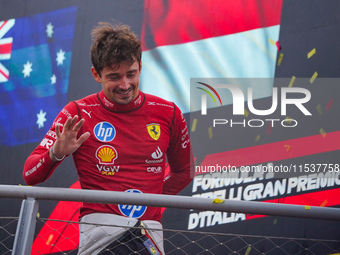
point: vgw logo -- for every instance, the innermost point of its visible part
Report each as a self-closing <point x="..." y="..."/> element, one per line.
<point x="239" y="99"/>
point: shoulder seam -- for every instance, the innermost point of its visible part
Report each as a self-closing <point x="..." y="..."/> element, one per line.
<point x="79" y="114"/>
<point x="173" y="117"/>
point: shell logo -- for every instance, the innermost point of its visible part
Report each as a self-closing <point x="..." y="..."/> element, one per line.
<point x="106" y="154"/>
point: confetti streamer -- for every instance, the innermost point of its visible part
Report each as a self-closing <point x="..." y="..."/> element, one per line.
<point x="292" y="81"/>
<point x="307" y="207"/>
<point x="49" y="239"/>
<point x="329" y="104"/>
<point x="194" y="124"/>
<point x="271" y="41"/>
<point x="248" y="250"/>
<point x="269" y="130"/>
<point x="324" y="203"/>
<point x="280" y="59"/>
<point x="210" y="132"/>
<point x="313" y="77"/>
<point x="288" y="119"/>
<point x="257" y="138"/>
<point x="288" y="147"/>
<point x="218" y="201"/>
<point x="275" y="221"/>
<point x="319" y="108"/>
<point x="311" y="53"/>
<point x="278" y="46"/>
<point x="246" y="113"/>
<point x="322" y="132"/>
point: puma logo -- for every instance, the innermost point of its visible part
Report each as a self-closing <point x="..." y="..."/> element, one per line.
<point x="88" y="113"/>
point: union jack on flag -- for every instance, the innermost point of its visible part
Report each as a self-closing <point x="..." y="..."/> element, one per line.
<point x="5" y="47"/>
<point x="35" y="63"/>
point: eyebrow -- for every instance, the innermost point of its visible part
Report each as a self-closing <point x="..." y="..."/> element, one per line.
<point x="133" y="70"/>
<point x="116" y="74"/>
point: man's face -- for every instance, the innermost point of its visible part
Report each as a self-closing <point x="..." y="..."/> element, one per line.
<point x="120" y="85"/>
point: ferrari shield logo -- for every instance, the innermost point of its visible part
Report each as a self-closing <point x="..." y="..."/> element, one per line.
<point x="154" y="130"/>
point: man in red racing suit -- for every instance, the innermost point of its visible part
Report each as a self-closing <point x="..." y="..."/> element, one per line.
<point x="120" y="140"/>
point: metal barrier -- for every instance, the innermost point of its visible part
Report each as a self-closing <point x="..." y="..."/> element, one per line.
<point x="27" y="220"/>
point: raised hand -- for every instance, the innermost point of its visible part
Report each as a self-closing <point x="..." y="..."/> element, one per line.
<point x="67" y="141"/>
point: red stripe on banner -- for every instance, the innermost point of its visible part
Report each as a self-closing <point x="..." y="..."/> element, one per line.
<point x="275" y="151"/>
<point x="174" y="22"/>
<point x="324" y="198"/>
<point x="5" y="48"/>
<point x="59" y="236"/>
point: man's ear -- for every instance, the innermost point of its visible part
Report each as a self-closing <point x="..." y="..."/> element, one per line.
<point x="95" y="74"/>
<point x="140" y="66"/>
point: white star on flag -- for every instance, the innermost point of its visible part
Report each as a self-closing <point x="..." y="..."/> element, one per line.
<point x="27" y="69"/>
<point x="53" y="79"/>
<point x="41" y="119"/>
<point x="49" y="30"/>
<point x="60" y="57"/>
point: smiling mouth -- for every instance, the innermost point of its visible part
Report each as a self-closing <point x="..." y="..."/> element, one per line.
<point x="124" y="92"/>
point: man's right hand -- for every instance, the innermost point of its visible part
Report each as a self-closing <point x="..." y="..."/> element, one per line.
<point x="67" y="141"/>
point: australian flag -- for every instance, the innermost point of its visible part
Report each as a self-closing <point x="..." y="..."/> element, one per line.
<point x="35" y="62"/>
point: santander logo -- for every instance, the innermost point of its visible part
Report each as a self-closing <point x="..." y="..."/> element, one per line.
<point x="157" y="154"/>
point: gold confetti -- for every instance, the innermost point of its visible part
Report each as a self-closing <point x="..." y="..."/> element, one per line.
<point x="288" y="147"/>
<point x="272" y="41"/>
<point x="49" y="239"/>
<point x="248" y="250"/>
<point x="218" y="201"/>
<point x="275" y="221"/>
<point x="313" y="77"/>
<point x="38" y="215"/>
<point x="319" y="108"/>
<point x="194" y="124"/>
<point x="307" y="207"/>
<point x="246" y="113"/>
<point x="288" y="119"/>
<point x="324" y="203"/>
<point x="292" y="80"/>
<point x="280" y="59"/>
<point x="257" y="138"/>
<point x="311" y="53"/>
<point x="322" y="132"/>
<point x="210" y="132"/>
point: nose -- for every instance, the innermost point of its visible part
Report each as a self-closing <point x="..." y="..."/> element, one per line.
<point x="125" y="83"/>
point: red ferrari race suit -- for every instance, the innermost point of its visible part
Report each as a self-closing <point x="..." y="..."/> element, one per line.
<point x="126" y="151"/>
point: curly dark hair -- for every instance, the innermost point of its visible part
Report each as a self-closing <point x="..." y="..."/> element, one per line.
<point x="114" y="45"/>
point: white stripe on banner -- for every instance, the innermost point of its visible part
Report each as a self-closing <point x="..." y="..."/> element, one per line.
<point x="167" y="70"/>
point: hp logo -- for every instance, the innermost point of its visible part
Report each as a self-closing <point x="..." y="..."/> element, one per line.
<point x="132" y="211"/>
<point x="104" y="131"/>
